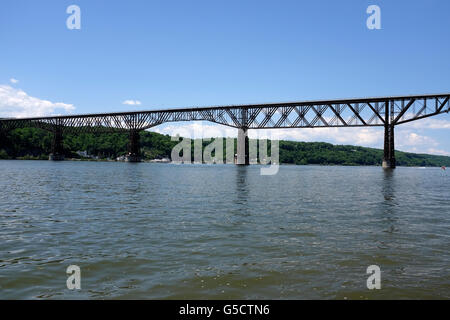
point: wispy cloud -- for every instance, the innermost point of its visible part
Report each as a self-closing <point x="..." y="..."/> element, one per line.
<point x="429" y="123"/>
<point x="17" y="103"/>
<point x="438" y="152"/>
<point x="406" y="139"/>
<point x="372" y="137"/>
<point x="132" y="102"/>
<point x="14" y="81"/>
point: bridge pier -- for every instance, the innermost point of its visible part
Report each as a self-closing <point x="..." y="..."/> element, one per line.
<point x="134" y="147"/>
<point x="2" y="139"/>
<point x="242" y="147"/>
<point x="389" y="147"/>
<point x="389" y="152"/>
<point x="57" y="152"/>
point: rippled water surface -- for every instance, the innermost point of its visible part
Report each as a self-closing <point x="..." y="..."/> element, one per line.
<point x="221" y="231"/>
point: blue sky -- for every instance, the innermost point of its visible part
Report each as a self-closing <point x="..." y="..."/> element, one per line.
<point x="197" y="53"/>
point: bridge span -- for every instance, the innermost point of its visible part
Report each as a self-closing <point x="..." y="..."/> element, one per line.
<point x="384" y="112"/>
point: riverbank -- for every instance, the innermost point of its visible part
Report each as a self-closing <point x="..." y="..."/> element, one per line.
<point x="281" y="164"/>
<point x="32" y="143"/>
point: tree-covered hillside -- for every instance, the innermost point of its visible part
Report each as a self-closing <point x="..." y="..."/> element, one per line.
<point x="32" y="143"/>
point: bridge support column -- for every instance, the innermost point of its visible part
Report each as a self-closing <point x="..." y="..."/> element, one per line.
<point x="242" y="147"/>
<point x="134" y="147"/>
<point x="389" y="148"/>
<point x="57" y="153"/>
<point x="2" y="139"/>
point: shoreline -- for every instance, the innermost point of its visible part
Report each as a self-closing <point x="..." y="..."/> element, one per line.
<point x="257" y="164"/>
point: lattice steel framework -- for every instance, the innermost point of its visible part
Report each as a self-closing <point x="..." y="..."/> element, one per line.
<point x="380" y="111"/>
<point x="307" y="114"/>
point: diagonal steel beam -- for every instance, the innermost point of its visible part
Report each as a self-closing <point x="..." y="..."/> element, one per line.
<point x="356" y="114"/>
<point x="377" y="113"/>
<point x="403" y="111"/>
<point x="319" y="114"/>
<point x="442" y="105"/>
<point x="426" y="115"/>
<point x="338" y="115"/>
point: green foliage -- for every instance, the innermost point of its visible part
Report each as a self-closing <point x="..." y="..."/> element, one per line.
<point x="32" y="143"/>
<point x="3" y="154"/>
<point x="155" y="145"/>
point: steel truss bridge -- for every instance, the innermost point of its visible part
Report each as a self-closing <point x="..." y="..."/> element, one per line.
<point x="384" y="112"/>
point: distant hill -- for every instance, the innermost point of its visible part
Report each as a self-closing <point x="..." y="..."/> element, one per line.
<point x="32" y="143"/>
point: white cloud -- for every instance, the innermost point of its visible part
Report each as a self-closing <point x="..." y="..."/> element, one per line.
<point x="410" y="136"/>
<point x="17" y="103"/>
<point x="438" y="152"/>
<point x="372" y="137"/>
<point x="132" y="102"/>
<point x="434" y="122"/>
<point x="14" y="81"/>
<point x="406" y="140"/>
<point x="428" y="123"/>
<point x="196" y="130"/>
<point x="413" y="139"/>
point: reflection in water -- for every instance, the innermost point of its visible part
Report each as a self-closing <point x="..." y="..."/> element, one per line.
<point x="390" y="202"/>
<point x="134" y="177"/>
<point x="242" y="187"/>
<point x="388" y="188"/>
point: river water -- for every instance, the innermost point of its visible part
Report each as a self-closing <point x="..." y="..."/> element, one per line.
<point x="165" y="231"/>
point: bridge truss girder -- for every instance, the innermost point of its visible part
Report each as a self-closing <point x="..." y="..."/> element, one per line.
<point x="309" y="114"/>
<point x="367" y="112"/>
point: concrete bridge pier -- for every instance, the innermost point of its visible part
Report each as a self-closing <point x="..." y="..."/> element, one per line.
<point x="134" y="147"/>
<point x="242" y="147"/>
<point x="389" y="150"/>
<point x="57" y="152"/>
